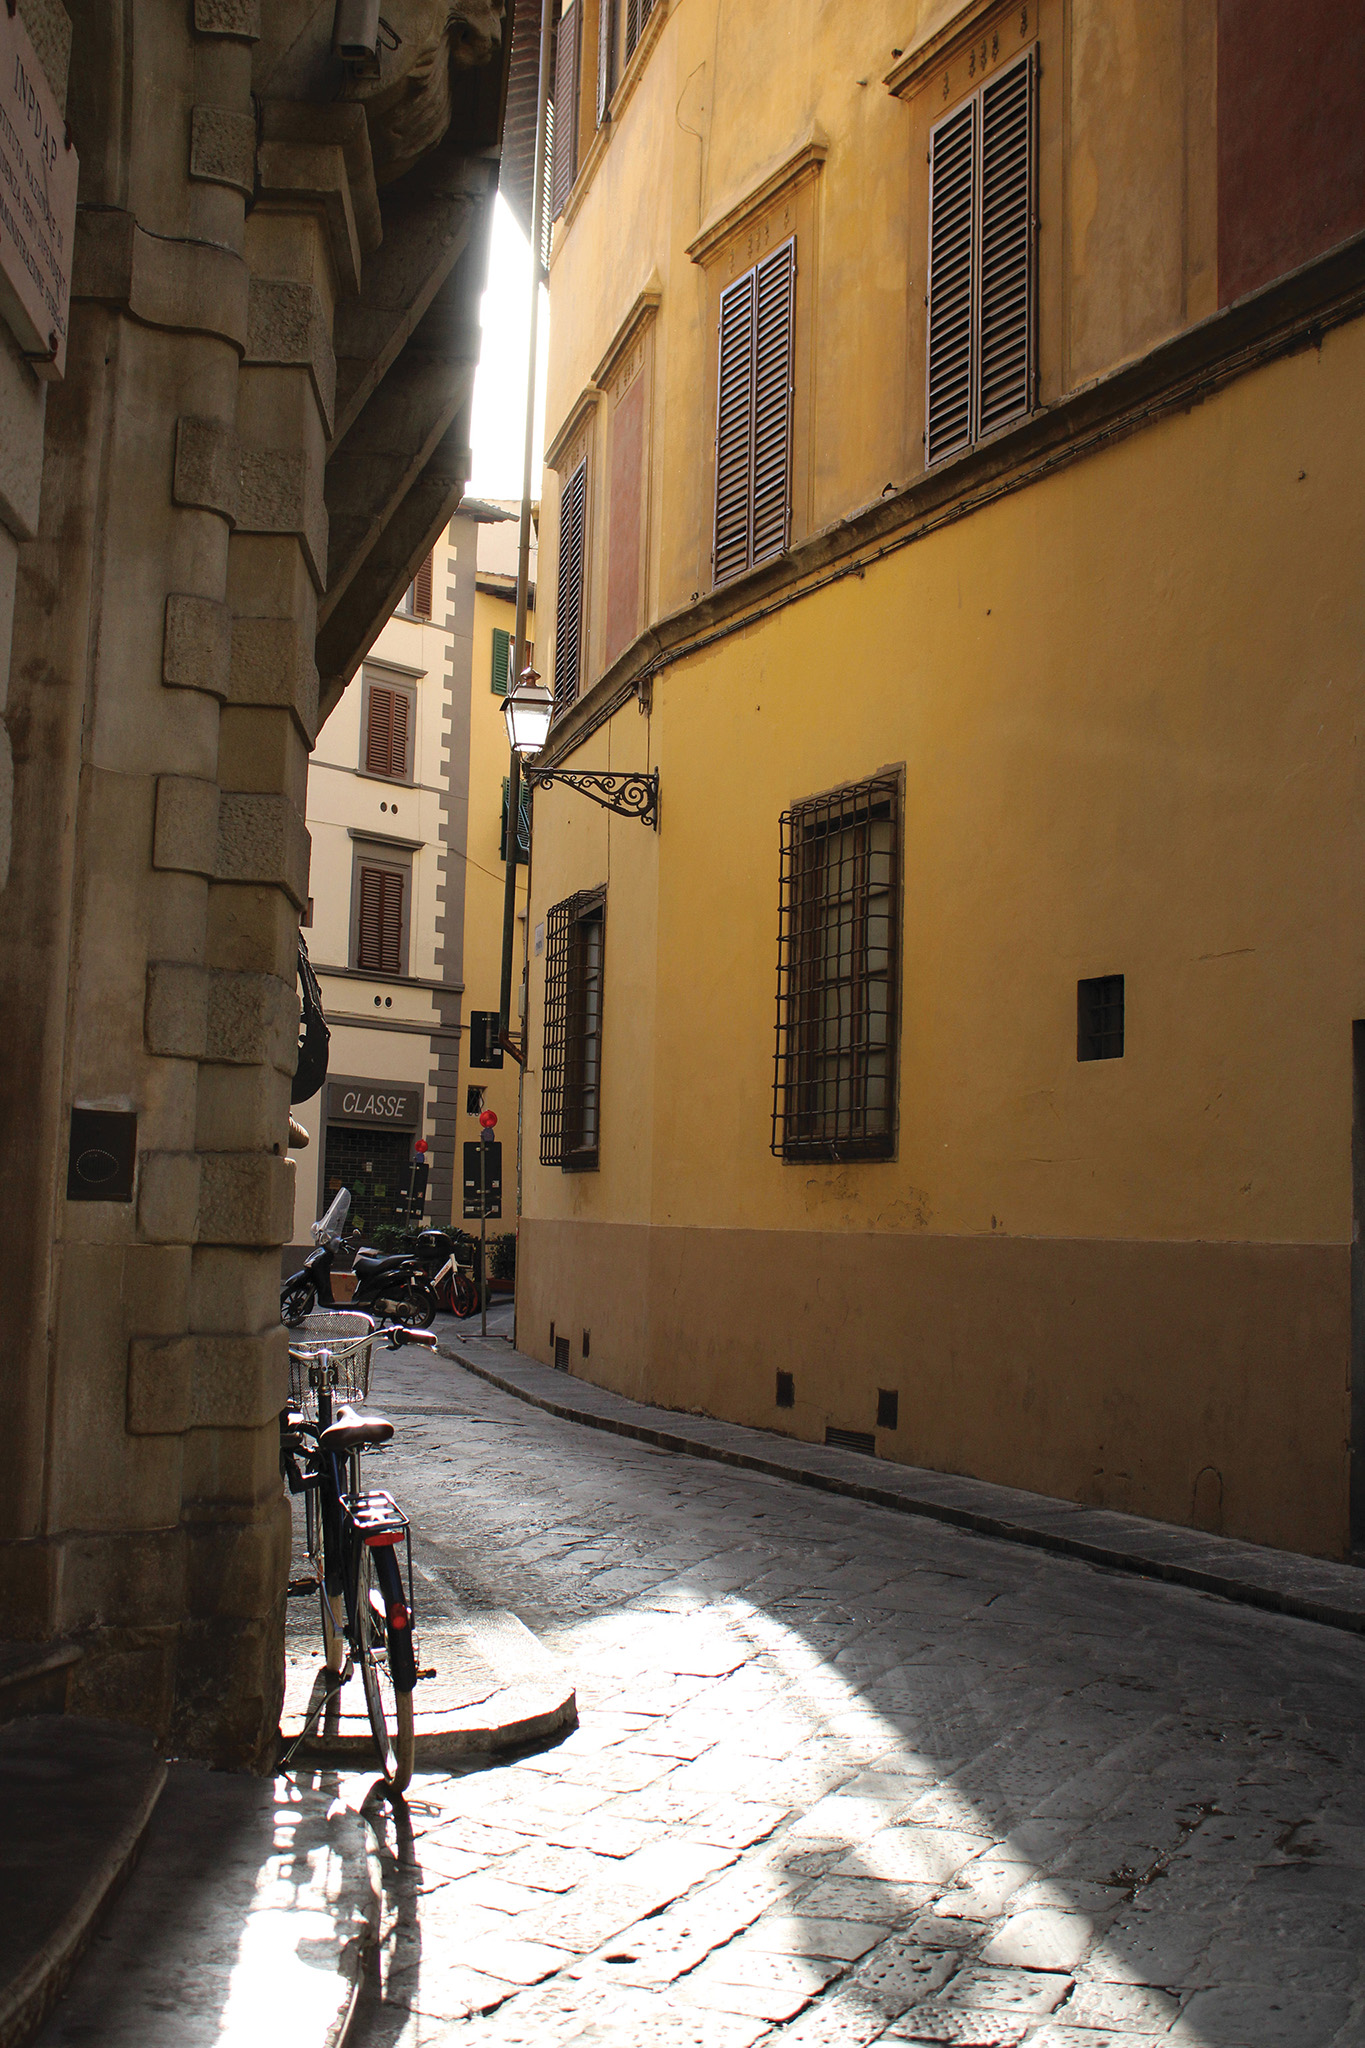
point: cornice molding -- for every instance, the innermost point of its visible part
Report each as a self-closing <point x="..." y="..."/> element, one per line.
<point x="580" y="412"/>
<point x="804" y="162"/>
<point x="941" y="45"/>
<point x="647" y="304"/>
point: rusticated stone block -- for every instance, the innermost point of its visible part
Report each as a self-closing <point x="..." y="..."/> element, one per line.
<point x="239" y="1382"/>
<point x="272" y="665"/>
<point x="207" y="465"/>
<point x="245" y="1198"/>
<point x="177" y="1010"/>
<point x="197" y="650"/>
<point x="187" y="827"/>
<point x="233" y="1290"/>
<point x="252" y="1020"/>
<point x="160" y="1379"/>
<point x="279" y="493"/>
<point x="239" y="18"/>
<point x="223" y="148"/>
<point x="263" y="839"/>
<point x="168" y="1189"/>
<point x="287" y="327"/>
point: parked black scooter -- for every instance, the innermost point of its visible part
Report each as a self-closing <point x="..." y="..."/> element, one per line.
<point x="391" y="1286"/>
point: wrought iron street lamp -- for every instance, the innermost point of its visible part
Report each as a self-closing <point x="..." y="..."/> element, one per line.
<point x="527" y="710"/>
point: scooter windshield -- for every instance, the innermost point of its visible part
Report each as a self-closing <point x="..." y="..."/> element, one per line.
<point x="334" y="1222"/>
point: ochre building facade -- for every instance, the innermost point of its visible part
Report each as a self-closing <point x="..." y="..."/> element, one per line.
<point x="956" y="421"/>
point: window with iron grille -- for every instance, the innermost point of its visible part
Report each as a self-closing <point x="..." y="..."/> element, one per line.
<point x="573" y="526"/>
<point x="380" y="920"/>
<point x="838" y="975"/>
<point x="571" y="1066"/>
<point x="1099" y="1018"/>
<point x="388" y="721"/>
<point x="754" y="415"/>
<point x="979" y="348"/>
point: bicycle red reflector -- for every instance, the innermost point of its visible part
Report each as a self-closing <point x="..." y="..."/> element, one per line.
<point x="398" y="1615"/>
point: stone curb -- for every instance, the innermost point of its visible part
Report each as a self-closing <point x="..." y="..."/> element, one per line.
<point x="531" y="1697"/>
<point x="1312" y="1589"/>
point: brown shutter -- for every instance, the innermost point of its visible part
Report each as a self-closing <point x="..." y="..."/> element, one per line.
<point x="566" y="107"/>
<point x="734" y="430"/>
<point x="379" y="732"/>
<point x="379" y="943"/>
<point x="606" y="36"/>
<point x="569" y="595"/>
<point x="634" y="21"/>
<point x="1006" y="288"/>
<point x="949" y="344"/>
<point x="398" y="743"/>
<point x="421" y="591"/>
<point x="769" y="524"/>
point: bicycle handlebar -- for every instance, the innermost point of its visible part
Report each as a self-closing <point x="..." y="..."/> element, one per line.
<point x="398" y="1337"/>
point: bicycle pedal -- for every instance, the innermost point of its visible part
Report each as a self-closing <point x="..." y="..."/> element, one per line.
<point x="430" y="1672"/>
<point x="297" y="1588"/>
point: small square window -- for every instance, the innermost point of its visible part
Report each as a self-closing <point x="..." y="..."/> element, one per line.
<point x="1099" y="1018"/>
<point x="786" y="1390"/>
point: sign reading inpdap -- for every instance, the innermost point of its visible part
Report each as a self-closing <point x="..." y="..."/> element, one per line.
<point x="38" y="170"/>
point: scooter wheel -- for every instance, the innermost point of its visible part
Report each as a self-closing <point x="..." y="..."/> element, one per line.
<point x="296" y="1301"/>
<point x="417" y="1305"/>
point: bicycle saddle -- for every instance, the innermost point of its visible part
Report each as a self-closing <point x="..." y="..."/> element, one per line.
<point x="350" y="1432"/>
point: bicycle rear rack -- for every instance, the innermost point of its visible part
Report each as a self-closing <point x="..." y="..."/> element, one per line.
<point x="377" y="1519"/>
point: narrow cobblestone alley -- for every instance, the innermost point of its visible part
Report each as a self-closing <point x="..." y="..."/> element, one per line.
<point x="843" y="1774"/>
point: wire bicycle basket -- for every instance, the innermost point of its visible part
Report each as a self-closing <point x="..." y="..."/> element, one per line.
<point x="330" y="1348"/>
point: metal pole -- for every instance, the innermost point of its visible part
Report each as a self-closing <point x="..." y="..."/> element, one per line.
<point x="483" y="1237"/>
<point x="538" y="198"/>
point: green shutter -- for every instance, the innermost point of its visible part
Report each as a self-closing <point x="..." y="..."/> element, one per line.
<point x="502" y="656"/>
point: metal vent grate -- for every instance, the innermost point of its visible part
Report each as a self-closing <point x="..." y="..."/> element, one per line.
<point x="852" y="1440"/>
<point x="561" y="1354"/>
<point x="1099" y="1018"/>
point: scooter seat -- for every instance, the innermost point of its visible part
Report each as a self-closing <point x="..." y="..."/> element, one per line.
<point x="351" y="1432"/>
<point x="369" y="1264"/>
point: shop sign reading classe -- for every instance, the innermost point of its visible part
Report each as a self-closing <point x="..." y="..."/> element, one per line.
<point x="373" y="1102"/>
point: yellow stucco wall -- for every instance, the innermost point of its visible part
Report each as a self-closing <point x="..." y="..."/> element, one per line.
<point x="1125" y="699"/>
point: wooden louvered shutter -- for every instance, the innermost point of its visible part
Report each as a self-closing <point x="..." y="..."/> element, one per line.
<point x="566" y="108"/>
<point x="606" y="37"/>
<point x="769" y="520"/>
<point x="734" y="430"/>
<point x="421" y="591"/>
<point x="380" y="923"/>
<point x="502" y="660"/>
<point x="379" y="731"/>
<point x="398" y="735"/>
<point x="1005" y="292"/>
<point x="569" y="596"/>
<point x="949" y="348"/>
<point x="634" y="19"/>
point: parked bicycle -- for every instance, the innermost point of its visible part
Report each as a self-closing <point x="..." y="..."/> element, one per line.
<point x="452" y="1282"/>
<point x="352" y="1534"/>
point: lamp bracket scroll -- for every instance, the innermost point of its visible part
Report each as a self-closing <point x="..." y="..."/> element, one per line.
<point x="629" y="795"/>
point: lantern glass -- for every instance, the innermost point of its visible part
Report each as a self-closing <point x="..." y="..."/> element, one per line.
<point x="527" y="710"/>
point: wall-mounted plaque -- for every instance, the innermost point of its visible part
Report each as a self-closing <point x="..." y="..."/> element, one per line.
<point x="38" y="171"/>
<point x="103" y="1155"/>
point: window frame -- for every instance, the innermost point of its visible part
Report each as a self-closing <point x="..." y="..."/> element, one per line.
<point x="377" y="679"/>
<point x="571" y="606"/>
<point x="802" y="992"/>
<point x="564" y="1121"/>
<point x="375" y="854"/>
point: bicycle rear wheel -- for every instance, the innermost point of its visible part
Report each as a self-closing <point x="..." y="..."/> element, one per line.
<point x="390" y="1709"/>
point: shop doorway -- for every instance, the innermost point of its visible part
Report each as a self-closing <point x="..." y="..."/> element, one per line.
<point x="376" y="1166"/>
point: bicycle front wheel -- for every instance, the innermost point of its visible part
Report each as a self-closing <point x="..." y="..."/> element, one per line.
<point x="390" y="1710"/>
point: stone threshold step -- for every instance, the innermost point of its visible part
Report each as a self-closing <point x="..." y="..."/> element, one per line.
<point x="495" y="1688"/>
<point x="77" y="1797"/>
<point x="1311" y="1588"/>
<point x="35" y="1677"/>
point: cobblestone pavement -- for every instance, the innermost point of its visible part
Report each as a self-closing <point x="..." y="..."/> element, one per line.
<point x="844" y="1775"/>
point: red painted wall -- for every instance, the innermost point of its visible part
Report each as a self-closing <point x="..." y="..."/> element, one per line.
<point x="1291" y="135"/>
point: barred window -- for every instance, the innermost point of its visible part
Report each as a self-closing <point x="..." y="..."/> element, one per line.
<point x="838" y="975"/>
<point x="571" y="1069"/>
